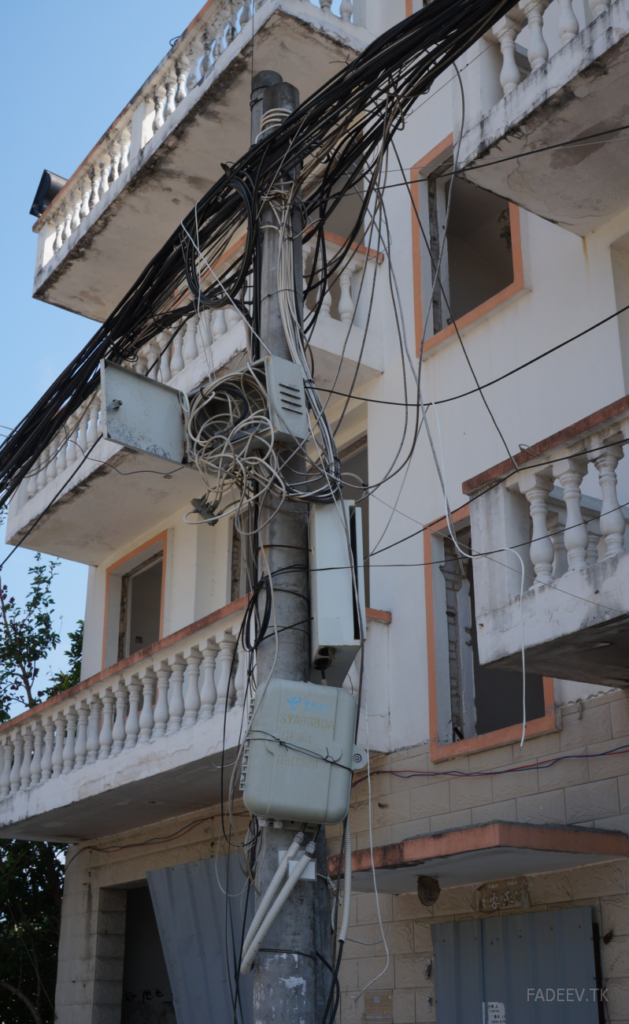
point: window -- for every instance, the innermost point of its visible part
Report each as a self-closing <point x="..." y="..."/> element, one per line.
<point x="473" y="700"/>
<point x="135" y="587"/>
<point x="477" y="260"/>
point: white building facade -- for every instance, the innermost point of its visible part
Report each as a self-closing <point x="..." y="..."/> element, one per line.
<point x="525" y="829"/>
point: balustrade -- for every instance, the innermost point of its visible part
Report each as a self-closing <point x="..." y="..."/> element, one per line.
<point x="184" y="70"/>
<point x="530" y="15"/>
<point x="142" y="706"/>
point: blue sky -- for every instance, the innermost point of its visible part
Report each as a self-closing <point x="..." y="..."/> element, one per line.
<point x="88" y="61"/>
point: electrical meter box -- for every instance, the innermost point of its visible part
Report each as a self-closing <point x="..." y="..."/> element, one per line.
<point x="141" y="413"/>
<point x="287" y="399"/>
<point x="337" y="590"/>
<point x="300" y="753"/>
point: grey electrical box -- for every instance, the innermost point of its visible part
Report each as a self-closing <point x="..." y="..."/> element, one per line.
<point x="337" y="589"/>
<point x="300" y="753"/>
<point x="287" y="399"/>
<point x="142" y="414"/>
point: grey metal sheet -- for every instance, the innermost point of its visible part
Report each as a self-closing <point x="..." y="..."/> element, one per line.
<point x="141" y="413"/>
<point x="538" y="966"/>
<point x="200" y="927"/>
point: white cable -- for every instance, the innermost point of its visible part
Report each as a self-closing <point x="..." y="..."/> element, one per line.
<point x="269" y="895"/>
<point x="265" y="927"/>
<point x="347" y="885"/>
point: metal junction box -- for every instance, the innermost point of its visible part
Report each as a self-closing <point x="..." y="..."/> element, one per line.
<point x="300" y="754"/>
<point x="141" y="413"/>
<point x="337" y="590"/>
<point x="287" y="399"/>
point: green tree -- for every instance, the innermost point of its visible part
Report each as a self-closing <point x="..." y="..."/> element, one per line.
<point x="64" y="680"/>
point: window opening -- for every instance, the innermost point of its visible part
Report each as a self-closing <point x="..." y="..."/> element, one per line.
<point x="140" y="606"/>
<point x="146" y="990"/>
<point x="482" y="699"/>
<point x="477" y="260"/>
<point x="355" y="475"/>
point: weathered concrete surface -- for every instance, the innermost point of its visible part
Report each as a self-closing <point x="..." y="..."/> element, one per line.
<point x="581" y="90"/>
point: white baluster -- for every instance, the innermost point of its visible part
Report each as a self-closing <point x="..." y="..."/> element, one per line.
<point x="115" y="155"/>
<point x="125" y="146"/>
<point x="92" y="431"/>
<point x="36" y="763"/>
<point x="158" y="101"/>
<point x="147" y="679"/>
<point x="93" y="739"/>
<point x="556" y="531"/>
<point x="193" y="55"/>
<point x="176" y="358"/>
<point x="60" y="739"/>
<point x="51" y="458"/>
<point x="346" y="303"/>
<point x="570" y="473"/>
<point x="18" y="746"/>
<point x="67" y="222"/>
<point x="31" y="487"/>
<point x="567" y="26"/>
<point x="161" y="706"/>
<point x="105" y="169"/>
<point x="68" y="750"/>
<point x="171" y="88"/>
<point x="27" y="754"/>
<point x="49" y="742"/>
<point x="245" y="14"/>
<point x="537" y="50"/>
<point x="205" y="335"/>
<point x="72" y="429"/>
<point x="76" y="209"/>
<point x="192" y="701"/>
<point x="105" y="738"/>
<point x="346" y="10"/>
<point x="62" y="454"/>
<point x="208" y="689"/>
<point x="219" y="324"/>
<point x="41" y="476"/>
<point x="5" y="778"/>
<point x="153" y="350"/>
<point x="240" y="680"/>
<point x="232" y="317"/>
<point x="206" y="62"/>
<point x="175" y="697"/>
<point x="598" y="7"/>
<point x="219" y="30"/>
<point x="86" y="191"/>
<point x="141" y="364"/>
<point x="164" y="363"/>
<point x="190" y="350"/>
<point x="536" y="487"/>
<point x="506" y="32"/>
<point x="118" y="733"/>
<point x="326" y="5"/>
<point x="326" y="302"/>
<point x="226" y="655"/>
<point x="81" y="434"/>
<point x="57" y="222"/>
<point x="593" y="539"/>
<point x="612" y="521"/>
<point x="181" y="71"/>
<point x="133" y="718"/>
<point x="80" y="749"/>
<point x="95" y="191"/>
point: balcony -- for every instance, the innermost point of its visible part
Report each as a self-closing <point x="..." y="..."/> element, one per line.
<point x="577" y="90"/>
<point x="166" y="148"/>
<point x="141" y="741"/>
<point x="564" y="513"/>
<point x="79" y="523"/>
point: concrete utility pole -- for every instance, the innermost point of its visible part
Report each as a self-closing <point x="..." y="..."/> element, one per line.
<point x="288" y="986"/>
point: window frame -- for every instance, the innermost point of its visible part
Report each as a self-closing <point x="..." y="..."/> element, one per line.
<point x="420" y="172"/>
<point x="132" y="556"/>
<point x="499" y="737"/>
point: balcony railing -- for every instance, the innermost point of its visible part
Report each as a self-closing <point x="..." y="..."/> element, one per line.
<point x="140" y="723"/>
<point x="562" y="512"/>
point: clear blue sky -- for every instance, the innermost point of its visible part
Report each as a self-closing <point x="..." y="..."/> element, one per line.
<point x="88" y="61"/>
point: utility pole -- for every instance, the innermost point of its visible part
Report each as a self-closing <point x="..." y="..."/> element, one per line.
<point x="288" y="986"/>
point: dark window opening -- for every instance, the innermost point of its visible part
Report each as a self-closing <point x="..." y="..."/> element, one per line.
<point x="477" y="260"/>
<point x="482" y="699"/>
<point x="146" y="991"/>
<point x="355" y="472"/>
<point x="140" y="607"/>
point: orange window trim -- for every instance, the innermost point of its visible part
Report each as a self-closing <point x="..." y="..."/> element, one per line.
<point x="517" y="287"/>
<point x="409" y="8"/>
<point x="131" y="554"/>
<point x="500" y="737"/>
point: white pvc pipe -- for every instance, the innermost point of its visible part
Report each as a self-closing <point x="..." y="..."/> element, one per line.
<point x="269" y="895"/>
<point x="347" y="887"/>
<point x="300" y="867"/>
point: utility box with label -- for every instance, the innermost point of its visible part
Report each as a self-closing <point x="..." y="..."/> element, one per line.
<point x="300" y="753"/>
<point x="337" y="589"/>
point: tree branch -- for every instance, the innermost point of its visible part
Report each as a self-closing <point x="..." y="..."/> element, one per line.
<point x="16" y="992"/>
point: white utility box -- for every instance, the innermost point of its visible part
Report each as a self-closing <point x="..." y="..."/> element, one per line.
<point x="287" y="399"/>
<point x="300" y="753"/>
<point x="141" y="413"/>
<point x="337" y="590"/>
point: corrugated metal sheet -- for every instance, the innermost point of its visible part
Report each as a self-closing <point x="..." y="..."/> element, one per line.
<point x="200" y="928"/>
<point x="520" y="969"/>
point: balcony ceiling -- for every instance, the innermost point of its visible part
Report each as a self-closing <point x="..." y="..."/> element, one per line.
<point x="183" y="159"/>
<point x="583" y="89"/>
